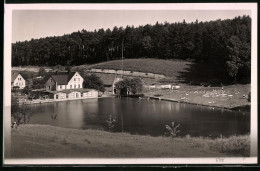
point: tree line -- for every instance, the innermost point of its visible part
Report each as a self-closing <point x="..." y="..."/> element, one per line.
<point x="223" y="44"/>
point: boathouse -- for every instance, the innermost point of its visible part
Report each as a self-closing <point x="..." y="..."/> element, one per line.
<point x="90" y="94"/>
<point x="60" y="96"/>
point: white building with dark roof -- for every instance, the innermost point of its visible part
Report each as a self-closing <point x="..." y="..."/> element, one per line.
<point x="63" y="81"/>
<point x="18" y="82"/>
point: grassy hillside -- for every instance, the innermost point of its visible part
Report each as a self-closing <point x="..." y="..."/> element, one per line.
<point x="178" y="70"/>
<point x="157" y="66"/>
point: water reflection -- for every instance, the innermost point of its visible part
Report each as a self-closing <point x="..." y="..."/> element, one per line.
<point x="75" y="114"/>
<point x="143" y="116"/>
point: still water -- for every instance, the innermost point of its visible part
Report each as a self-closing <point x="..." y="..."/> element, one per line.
<point x="145" y="117"/>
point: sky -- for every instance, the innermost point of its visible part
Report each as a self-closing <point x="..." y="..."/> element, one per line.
<point x="28" y="24"/>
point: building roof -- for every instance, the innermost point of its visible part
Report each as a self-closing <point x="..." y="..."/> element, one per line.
<point x="61" y="78"/>
<point x="14" y="76"/>
<point x="81" y="90"/>
<point x="107" y="79"/>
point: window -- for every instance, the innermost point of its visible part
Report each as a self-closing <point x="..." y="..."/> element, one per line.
<point x="74" y="85"/>
<point x="74" y="79"/>
<point x="51" y="80"/>
<point x="79" y="86"/>
<point x="49" y="87"/>
<point x="60" y="87"/>
<point x="70" y="86"/>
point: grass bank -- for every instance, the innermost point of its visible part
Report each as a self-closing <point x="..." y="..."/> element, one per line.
<point x="208" y="96"/>
<point x="42" y="141"/>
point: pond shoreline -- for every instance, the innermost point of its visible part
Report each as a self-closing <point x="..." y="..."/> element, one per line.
<point x="196" y="95"/>
<point x="245" y="108"/>
<point x="61" y="100"/>
<point x="51" y="141"/>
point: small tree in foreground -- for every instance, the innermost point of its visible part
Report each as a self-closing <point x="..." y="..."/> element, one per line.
<point x="173" y="130"/>
<point x="111" y="121"/>
<point x="54" y="118"/>
<point x="20" y="112"/>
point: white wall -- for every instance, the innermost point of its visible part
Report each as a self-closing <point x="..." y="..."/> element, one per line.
<point x="74" y="95"/>
<point x="75" y="82"/>
<point x="91" y="94"/>
<point x="60" y="87"/>
<point x="60" y="96"/>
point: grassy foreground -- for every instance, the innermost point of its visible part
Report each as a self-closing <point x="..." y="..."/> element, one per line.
<point x="42" y="141"/>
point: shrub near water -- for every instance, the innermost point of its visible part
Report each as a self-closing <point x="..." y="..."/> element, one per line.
<point x="232" y="145"/>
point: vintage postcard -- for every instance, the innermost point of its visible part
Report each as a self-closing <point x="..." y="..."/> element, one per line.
<point x="130" y="83"/>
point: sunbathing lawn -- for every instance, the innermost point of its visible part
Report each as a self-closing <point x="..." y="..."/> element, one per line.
<point x="198" y="95"/>
<point x="42" y="141"/>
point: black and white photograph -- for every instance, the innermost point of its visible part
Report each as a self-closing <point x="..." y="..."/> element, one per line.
<point x="130" y="83"/>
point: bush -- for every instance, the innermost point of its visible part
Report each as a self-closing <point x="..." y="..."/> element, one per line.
<point x="37" y="84"/>
<point x="93" y="82"/>
<point x="20" y="113"/>
<point x="26" y="90"/>
<point x="132" y="85"/>
<point x="42" y="72"/>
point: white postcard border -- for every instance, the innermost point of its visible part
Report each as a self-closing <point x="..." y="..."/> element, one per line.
<point x="164" y="6"/>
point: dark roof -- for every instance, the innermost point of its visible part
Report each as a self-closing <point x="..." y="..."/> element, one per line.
<point x="14" y="75"/>
<point x="61" y="78"/>
<point x="81" y="90"/>
<point x="107" y="79"/>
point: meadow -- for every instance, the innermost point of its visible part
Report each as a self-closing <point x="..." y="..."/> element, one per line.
<point x="42" y="141"/>
<point x="170" y="68"/>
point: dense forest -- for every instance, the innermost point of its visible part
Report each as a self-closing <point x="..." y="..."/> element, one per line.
<point x="225" y="45"/>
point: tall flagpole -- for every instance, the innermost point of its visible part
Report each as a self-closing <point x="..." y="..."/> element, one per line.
<point x="122" y="58"/>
